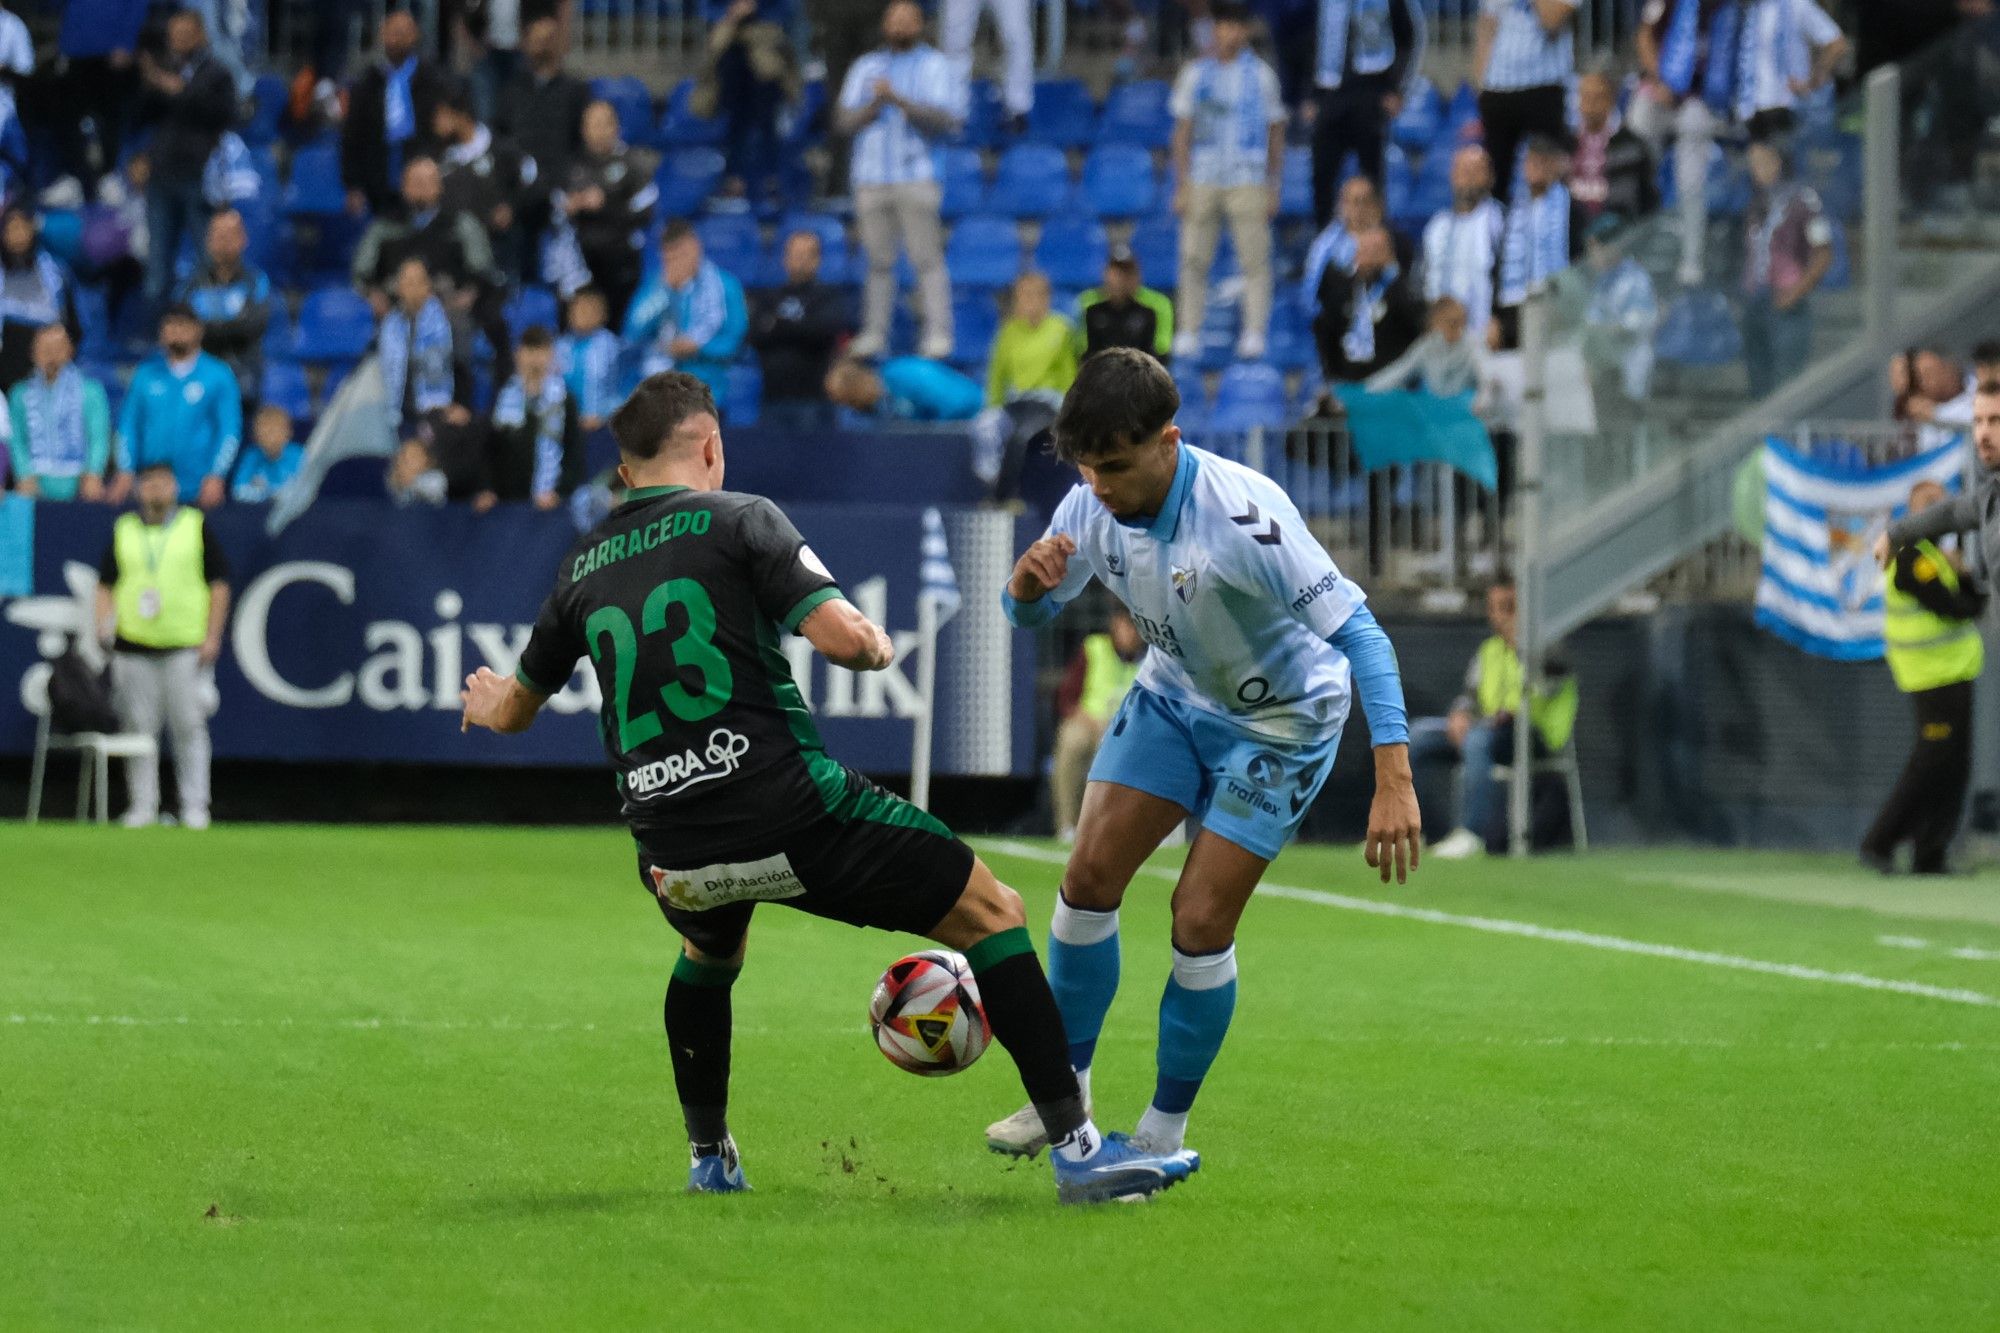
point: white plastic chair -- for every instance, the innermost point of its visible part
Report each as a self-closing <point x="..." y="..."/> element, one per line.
<point x="1563" y="764"/>
<point x="96" y="750"/>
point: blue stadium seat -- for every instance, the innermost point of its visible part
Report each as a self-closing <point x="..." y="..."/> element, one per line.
<point x="1219" y="326"/>
<point x="62" y="233"/>
<point x="1831" y="164"/>
<point x="1136" y="114"/>
<point x="681" y="128"/>
<point x="962" y="179"/>
<point x="746" y="394"/>
<point x="837" y="263"/>
<point x="1156" y="243"/>
<point x="686" y="179"/>
<point x="279" y="332"/>
<point x="633" y="101"/>
<point x="335" y="325"/>
<point x="1071" y="251"/>
<point x="1295" y="187"/>
<point x="975" y="321"/>
<point x="93" y="316"/>
<point x="268" y="97"/>
<point x="1460" y="115"/>
<point x="1430" y="190"/>
<point x="1033" y="181"/>
<point x="1119" y="181"/>
<point x="1699" y="329"/>
<point x="1251" y="394"/>
<point x="1290" y="345"/>
<point x="1063" y="114"/>
<point x="983" y="117"/>
<point x="315" y="189"/>
<point x="1422" y="118"/>
<point x="531" y="306"/>
<point x="984" y="252"/>
<point x="284" y="384"/>
<point x="734" y="243"/>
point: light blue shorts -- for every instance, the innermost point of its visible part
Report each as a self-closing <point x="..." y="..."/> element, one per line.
<point x="1247" y="788"/>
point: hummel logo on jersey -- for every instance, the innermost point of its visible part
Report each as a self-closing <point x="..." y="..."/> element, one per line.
<point x="1114" y="564"/>
<point x="1270" y="537"/>
<point x="1184" y="585"/>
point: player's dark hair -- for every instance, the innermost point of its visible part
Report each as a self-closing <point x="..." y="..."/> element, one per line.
<point x="1121" y="397"/>
<point x="536" y="337"/>
<point x="656" y="410"/>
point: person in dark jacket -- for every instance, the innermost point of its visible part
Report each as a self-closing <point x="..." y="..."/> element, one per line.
<point x="389" y="112"/>
<point x="542" y="113"/>
<point x="796" y="328"/>
<point x="99" y="82"/>
<point x="607" y="200"/>
<point x="1366" y="52"/>
<point x="191" y="99"/>
<point x="233" y="298"/>
<point x="1611" y="170"/>
<point x="452" y="245"/>
<point x="426" y="365"/>
<point x="534" y="439"/>
<point x="1367" y="317"/>
<point x="485" y="176"/>
<point x="1124" y="312"/>
<point x="34" y="291"/>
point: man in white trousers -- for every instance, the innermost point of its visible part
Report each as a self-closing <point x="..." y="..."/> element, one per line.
<point x="959" y="25"/>
<point x="162" y="602"/>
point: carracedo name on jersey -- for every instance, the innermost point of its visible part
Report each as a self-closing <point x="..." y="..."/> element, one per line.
<point x="1160" y="634"/>
<point x="620" y="545"/>
<point x="1307" y="596"/>
<point x="677" y="772"/>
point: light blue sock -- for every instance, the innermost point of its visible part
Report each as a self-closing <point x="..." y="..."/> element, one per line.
<point x="1194" y="1017"/>
<point x="1083" y="972"/>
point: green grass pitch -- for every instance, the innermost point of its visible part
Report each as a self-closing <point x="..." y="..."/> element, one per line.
<point x="300" y="1077"/>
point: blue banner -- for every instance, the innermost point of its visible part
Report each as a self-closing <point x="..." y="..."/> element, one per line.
<point x="354" y="627"/>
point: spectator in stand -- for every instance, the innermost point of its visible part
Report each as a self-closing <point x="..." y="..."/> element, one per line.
<point x="691" y="315"/>
<point x="1543" y="237"/>
<point x="182" y="409"/>
<point x="34" y="292"/>
<point x="233" y="299"/>
<point x="97" y="46"/>
<point x="1035" y="351"/>
<point x="414" y="476"/>
<point x="587" y="359"/>
<point x="1444" y="362"/>
<point x="427" y="377"/>
<point x="1360" y="208"/>
<point x="275" y="461"/>
<point x="1462" y="246"/>
<point x="607" y="202"/>
<point x="1523" y="63"/>
<point x="1228" y="153"/>
<point x="795" y="330"/>
<point x="1012" y="19"/>
<point x="1094" y="685"/>
<point x="751" y="77"/>
<point x="1611" y="171"/>
<point x="450" y="244"/>
<point x="1789" y="248"/>
<point x="905" y="388"/>
<point x="1938" y="394"/>
<point x="61" y="425"/>
<point x="1794" y="49"/>
<point x="388" y="122"/>
<point x="1624" y="312"/>
<point x="898" y="102"/>
<point x="1368" y="51"/>
<point x="191" y="98"/>
<point x="1683" y="95"/>
<point x="534" y="439"/>
<point x="490" y="32"/>
<point x="1124" y="312"/>
<point x="1369" y="317"/>
<point x="486" y="177"/>
<point x="542" y="114"/>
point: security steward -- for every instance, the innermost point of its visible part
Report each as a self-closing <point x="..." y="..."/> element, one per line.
<point x="1931" y="638"/>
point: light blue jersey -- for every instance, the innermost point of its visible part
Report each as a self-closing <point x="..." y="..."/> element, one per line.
<point x="1234" y="595"/>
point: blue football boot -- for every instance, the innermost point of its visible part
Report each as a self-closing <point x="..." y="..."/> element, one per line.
<point x="718" y="1173"/>
<point x="1121" y="1171"/>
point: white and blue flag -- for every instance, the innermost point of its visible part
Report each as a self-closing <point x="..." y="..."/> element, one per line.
<point x="939" y="582"/>
<point x="1821" y="589"/>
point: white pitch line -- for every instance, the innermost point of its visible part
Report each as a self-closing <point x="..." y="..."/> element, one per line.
<point x="1557" y="935"/>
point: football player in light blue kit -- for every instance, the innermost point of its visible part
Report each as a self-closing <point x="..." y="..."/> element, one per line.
<point x="1256" y="643"/>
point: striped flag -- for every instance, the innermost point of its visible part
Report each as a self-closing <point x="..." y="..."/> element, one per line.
<point x="1821" y="589"/>
<point x="939" y="582"/>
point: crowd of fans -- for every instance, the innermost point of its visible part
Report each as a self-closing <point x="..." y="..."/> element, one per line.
<point x="467" y="186"/>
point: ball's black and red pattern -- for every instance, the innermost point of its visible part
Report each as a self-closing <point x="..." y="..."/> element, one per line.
<point x="926" y="1014"/>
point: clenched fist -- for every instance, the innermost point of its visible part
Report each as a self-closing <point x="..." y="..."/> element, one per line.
<point x="1041" y="568"/>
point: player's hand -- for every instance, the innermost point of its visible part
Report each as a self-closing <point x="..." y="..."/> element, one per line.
<point x="1041" y="567"/>
<point x="884" y="651"/>
<point x="484" y="689"/>
<point x="1395" y="825"/>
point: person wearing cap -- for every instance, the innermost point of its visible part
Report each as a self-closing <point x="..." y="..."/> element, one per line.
<point x="1124" y="312"/>
<point x="162" y="603"/>
<point x="185" y="410"/>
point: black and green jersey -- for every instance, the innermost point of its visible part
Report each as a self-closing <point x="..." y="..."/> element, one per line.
<point x="678" y="597"/>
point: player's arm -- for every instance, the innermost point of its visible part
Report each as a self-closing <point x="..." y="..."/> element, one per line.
<point x="1048" y="577"/>
<point x="508" y="704"/>
<point x="846" y="637"/>
<point x="498" y="703"/>
<point x="796" y="590"/>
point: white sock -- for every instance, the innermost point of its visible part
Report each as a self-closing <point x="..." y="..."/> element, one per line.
<point x="1083" y="1086"/>
<point x="1083" y="1142"/>
<point x="1163" y="1129"/>
<point x="1079" y="926"/>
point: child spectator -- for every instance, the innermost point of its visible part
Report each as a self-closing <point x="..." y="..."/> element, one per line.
<point x="414" y="476"/>
<point x="1444" y="361"/>
<point x="1035" y="352"/>
<point x="275" y="461"/>
<point x="587" y="359"/>
<point x="534" y="443"/>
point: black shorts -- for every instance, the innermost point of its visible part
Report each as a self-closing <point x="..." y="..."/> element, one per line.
<point x="872" y="859"/>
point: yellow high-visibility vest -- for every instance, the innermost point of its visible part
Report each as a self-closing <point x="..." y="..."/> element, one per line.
<point x="161" y="596"/>
<point x="1927" y="650"/>
<point x="1106" y="678"/>
<point x="1553" y="712"/>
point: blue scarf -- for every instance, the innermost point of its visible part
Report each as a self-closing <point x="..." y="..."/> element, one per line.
<point x="55" y="422"/>
<point x="37" y="310"/>
<point x="510" y="412"/>
<point x="1731" y="55"/>
<point x="429" y="345"/>
<point x="1536" y="247"/>
<point x="589" y="365"/>
<point x="399" y="111"/>
<point x="1251" y="128"/>
<point x="1359" y="344"/>
<point x="1374" y="39"/>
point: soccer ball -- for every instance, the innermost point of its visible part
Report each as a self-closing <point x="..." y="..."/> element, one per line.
<point x="926" y="1014"/>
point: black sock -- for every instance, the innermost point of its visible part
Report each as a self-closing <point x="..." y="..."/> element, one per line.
<point x="1026" y="1021"/>
<point x="698" y="1018"/>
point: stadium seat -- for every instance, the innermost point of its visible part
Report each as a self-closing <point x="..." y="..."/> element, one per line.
<point x="1699" y="330"/>
<point x="746" y="394"/>
<point x="962" y="179"/>
<point x="1251" y="394"/>
<point x="734" y="243"/>
<point x="531" y="306"/>
<point x="284" y="384"/>
<point x="315" y="189"/>
<point x="1422" y="118"/>
<point x="1136" y="114"/>
<point x="1461" y="117"/>
<point x="335" y="325"/>
<point x="1156" y="243"/>
<point x="1193" y="386"/>
<point x="1071" y="251"/>
<point x="1295" y="187"/>
<point x="975" y="320"/>
<point x="1063" y="114"/>
<point x="93" y="317"/>
<point x="983" y="117"/>
<point x="686" y="179"/>
<point x="1119" y="181"/>
<point x="633" y="101"/>
<point x="1290" y="345"/>
<point x="62" y="233"/>
<point x="1831" y="164"/>
<point x="1032" y="182"/>
<point x="984" y="252"/>
<point x="679" y="127"/>
<point x="278" y="330"/>
<point x="1219" y="326"/>
<point x="268" y="98"/>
